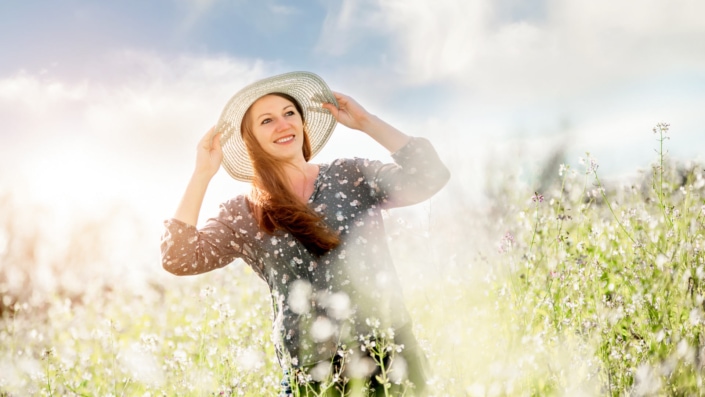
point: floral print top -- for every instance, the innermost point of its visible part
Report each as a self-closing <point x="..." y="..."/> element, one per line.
<point x="320" y="302"/>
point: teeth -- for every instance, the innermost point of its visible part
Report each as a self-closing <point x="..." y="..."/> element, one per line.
<point x="285" y="139"/>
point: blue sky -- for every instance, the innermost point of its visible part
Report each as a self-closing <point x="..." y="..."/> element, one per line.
<point x="43" y="33"/>
<point x="103" y="102"/>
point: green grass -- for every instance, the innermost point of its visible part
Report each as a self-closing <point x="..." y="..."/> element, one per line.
<point x="587" y="289"/>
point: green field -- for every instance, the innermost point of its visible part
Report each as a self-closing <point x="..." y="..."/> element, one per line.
<point x="583" y="288"/>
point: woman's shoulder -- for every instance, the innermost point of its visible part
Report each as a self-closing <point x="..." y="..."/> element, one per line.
<point x="347" y="165"/>
<point x="237" y="205"/>
<point x="240" y="199"/>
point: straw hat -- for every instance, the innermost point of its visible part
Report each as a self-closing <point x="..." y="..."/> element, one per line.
<point x="307" y="88"/>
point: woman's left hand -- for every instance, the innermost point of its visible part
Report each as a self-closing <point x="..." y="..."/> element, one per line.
<point x="348" y="113"/>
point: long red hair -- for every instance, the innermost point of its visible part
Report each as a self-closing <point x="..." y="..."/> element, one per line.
<point x="272" y="201"/>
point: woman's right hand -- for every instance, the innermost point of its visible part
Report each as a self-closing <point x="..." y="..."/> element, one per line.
<point x="209" y="154"/>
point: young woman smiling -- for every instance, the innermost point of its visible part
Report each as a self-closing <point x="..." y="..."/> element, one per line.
<point x="313" y="232"/>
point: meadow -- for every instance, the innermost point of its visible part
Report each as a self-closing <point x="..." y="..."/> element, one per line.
<point x="580" y="288"/>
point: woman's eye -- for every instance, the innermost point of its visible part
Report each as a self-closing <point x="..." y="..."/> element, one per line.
<point x="289" y="113"/>
<point x="266" y="121"/>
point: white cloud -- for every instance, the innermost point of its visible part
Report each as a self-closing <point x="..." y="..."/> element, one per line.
<point x="609" y="70"/>
<point x="29" y="91"/>
<point x="283" y="9"/>
<point x="573" y="47"/>
<point x="436" y="39"/>
<point x="86" y="145"/>
<point x="347" y="23"/>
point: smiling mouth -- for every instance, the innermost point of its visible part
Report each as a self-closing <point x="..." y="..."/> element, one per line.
<point x="285" y="139"/>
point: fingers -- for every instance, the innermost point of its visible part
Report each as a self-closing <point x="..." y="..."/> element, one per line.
<point x="342" y="103"/>
<point x="331" y="108"/>
<point x="348" y="112"/>
<point x="209" y="140"/>
<point x="340" y="98"/>
<point x="209" y="134"/>
<point x="216" y="141"/>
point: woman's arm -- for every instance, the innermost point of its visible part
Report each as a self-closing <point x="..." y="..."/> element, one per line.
<point x="350" y="114"/>
<point x="209" y="155"/>
<point x="185" y="249"/>
<point x="417" y="173"/>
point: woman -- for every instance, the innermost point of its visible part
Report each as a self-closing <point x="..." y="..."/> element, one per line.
<point x="313" y="232"/>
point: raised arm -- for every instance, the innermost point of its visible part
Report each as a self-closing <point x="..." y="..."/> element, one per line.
<point x="209" y="155"/>
<point x="417" y="172"/>
<point x="350" y="114"/>
<point x="185" y="249"/>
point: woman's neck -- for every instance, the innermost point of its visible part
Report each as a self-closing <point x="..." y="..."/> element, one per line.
<point x="302" y="177"/>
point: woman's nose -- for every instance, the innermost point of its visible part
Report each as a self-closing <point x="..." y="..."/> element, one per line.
<point x="280" y="124"/>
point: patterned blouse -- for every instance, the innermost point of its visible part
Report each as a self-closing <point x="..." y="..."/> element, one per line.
<point x="320" y="302"/>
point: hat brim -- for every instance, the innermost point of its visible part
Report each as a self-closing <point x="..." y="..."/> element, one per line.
<point x="307" y="88"/>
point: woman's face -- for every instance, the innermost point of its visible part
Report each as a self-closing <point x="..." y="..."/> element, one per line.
<point x="278" y="127"/>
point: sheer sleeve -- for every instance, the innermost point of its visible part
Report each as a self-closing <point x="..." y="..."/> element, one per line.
<point x="416" y="174"/>
<point x="187" y="250"/>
